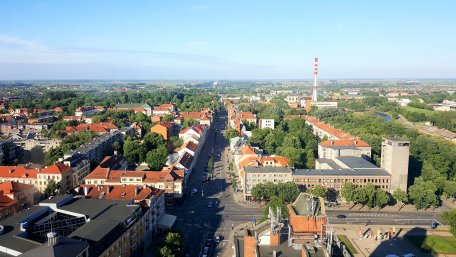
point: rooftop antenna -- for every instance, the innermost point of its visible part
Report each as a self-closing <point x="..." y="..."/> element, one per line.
<point x="315" y="88"/>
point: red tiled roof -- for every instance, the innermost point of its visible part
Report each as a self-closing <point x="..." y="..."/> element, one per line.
<point x="56" y="168"/>
<point x="119" y="192"/>
<point x="17" y="172"/>
<point x="9" y="187"/>
<point x="247" y="150"/>
<point x="5" y="201"/>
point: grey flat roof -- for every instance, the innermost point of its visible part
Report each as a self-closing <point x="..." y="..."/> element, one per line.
<point x="105" y="218"/>
<point x="249" y="169"/>
<point x="341" y="172"/>
<point x="11" y="226"/>
<point x="355" y="162"/>
<point x="329" y="162"/>
<point x="66" y="247"/>
<point x="396" y="139"/>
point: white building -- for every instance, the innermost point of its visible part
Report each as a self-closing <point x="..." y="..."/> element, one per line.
<point x="266" y="123"/>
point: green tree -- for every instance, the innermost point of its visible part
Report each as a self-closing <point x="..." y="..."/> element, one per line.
<point x="369" y="191"/>
<point x="168" y="117"/>
<point x="230" y="133"/>
<point x="319" y="191"/>
<point x="166" y="252"/>
<point x="188" y="122"/>
<point x="382" y="198"/>
<point x="449" y="218"/>
<point x="422" y="194"/>
<point x="37" y="155"/>
<point x="134" y="151"/>
<point x="401" y="197"/>
<point x="348" y="192"/>
<point x="152" y="140"/>
<point x="295" y="156"/>
<point x="450" y="189"/>
<point x="310" y="160"/>
<point x="174" y="242"/>
<point x="51" y="189"/>
<point x="156" y="158"/>
<point x="116" y="146"/>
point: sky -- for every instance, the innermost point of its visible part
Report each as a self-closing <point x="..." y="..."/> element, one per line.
<point x="226" y="40"/>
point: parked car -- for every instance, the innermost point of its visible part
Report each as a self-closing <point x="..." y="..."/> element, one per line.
<point x="217" y="239"/>
<point x="209" y="204"/>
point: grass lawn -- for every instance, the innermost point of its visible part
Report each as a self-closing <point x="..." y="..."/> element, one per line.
<point x="413" y="109"/>
<point x="435" y="244"/>
<point x="344" y="240"/>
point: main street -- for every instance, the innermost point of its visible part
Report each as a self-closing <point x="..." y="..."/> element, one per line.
<point x="381" y="218"/>
<point x="196" y="220"/>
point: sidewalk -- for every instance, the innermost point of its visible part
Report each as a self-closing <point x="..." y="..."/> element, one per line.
<point x="371" y="247"/>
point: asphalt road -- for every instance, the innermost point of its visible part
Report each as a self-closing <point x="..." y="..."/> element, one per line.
<point x="195" y="219"/>
<point x="381" y="218"/>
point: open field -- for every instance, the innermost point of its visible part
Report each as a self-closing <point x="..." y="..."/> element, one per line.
<point x="434" y="244"/>
<point x="413" y="109"/>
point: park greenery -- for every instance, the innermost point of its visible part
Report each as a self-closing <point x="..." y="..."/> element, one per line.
<point x="432" y="162"/>
<point x="291" y="139"/>
<point x="152" y="149"/>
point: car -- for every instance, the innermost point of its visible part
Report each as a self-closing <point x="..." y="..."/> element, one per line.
<point x="341" y="216"/>
<point x="206" y="250"/>
<point x="217" y="239"/>
<point x="409" y="255"/>
<point x="310" y="248"/>
<point x="209" y="204"/>
<point x="194" y="190"/>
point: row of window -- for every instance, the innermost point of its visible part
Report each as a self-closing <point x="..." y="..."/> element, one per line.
<point x="352" y="180"/>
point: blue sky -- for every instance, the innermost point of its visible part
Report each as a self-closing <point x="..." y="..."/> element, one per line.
<point x="226" y="39"/>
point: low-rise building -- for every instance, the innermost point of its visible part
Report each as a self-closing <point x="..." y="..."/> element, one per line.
<point x="136" y="107"/>
<point x="100" y="128"/>
<point x="164" y="128"/>
<point x="45" y="144"/>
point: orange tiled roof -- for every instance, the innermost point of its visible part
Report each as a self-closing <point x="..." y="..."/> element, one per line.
<point x="345" y="142"/>
<point x="277" y="159"/>
<point x="247" y="150"/>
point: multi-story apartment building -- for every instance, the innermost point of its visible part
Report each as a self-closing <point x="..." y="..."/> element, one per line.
<point x="152" y="200"/>
<point x="77" y="226"/>
<point x="45" y="144"/>
<point x="170" y="179"/>
<point x="39" y="178"/>
<point x="97" y="149"/>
